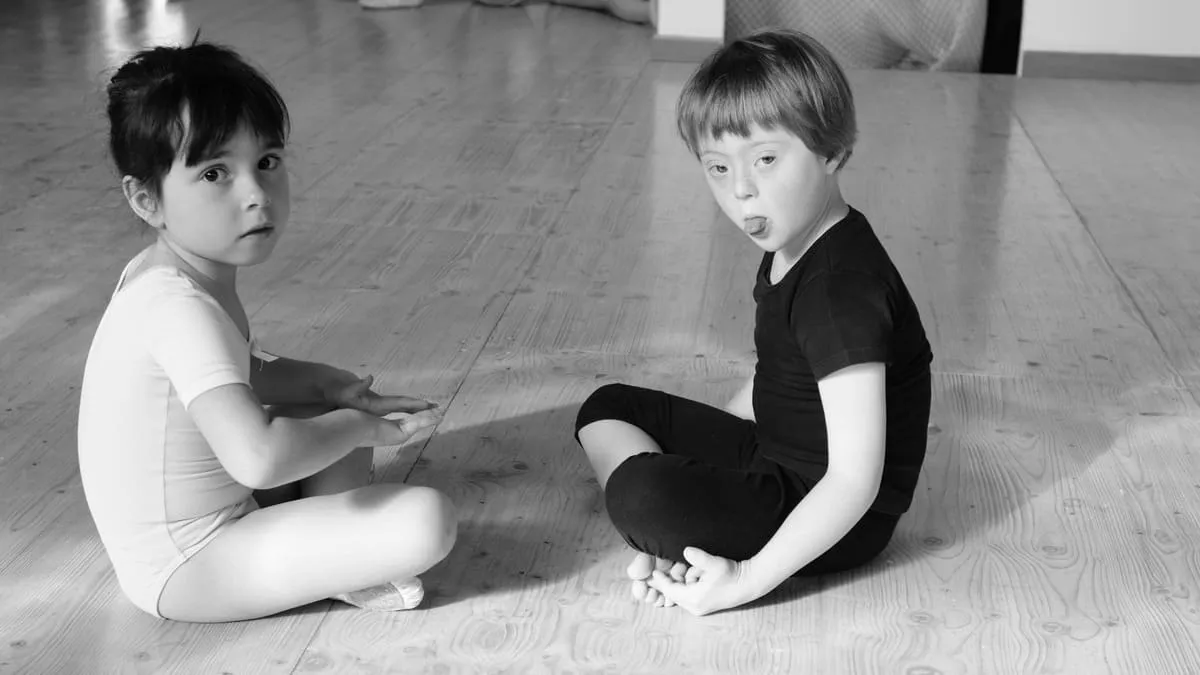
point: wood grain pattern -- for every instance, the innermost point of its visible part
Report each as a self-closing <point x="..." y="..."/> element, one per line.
<point x="492" y="208"/>
<point x="1126" y="167"/>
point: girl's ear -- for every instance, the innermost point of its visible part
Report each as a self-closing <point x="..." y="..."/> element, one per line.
<point x="143" y="202"/>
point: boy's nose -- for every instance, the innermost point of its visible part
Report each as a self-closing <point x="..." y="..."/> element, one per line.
<point x="744" y="188"/>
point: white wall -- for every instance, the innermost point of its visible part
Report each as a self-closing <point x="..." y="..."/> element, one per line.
<point x="696" y="19"/>
<point x="1148" y="27"/>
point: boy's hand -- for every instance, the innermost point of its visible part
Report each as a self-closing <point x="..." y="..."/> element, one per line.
<point x="711" y="584"/>
<point x="346" y="390"/>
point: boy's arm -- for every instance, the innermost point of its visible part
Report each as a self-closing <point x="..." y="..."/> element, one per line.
<point x="742" y="403"/>
<point x="854" y="401"/>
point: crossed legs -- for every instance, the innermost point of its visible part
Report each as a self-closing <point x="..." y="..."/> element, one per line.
<point x="329" y="534"/>
<point x="678" y="473"/>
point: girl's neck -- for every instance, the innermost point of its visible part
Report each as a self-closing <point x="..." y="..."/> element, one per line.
<point x="218" y="279"/>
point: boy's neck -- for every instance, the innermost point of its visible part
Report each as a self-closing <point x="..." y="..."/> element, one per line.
<point x="834" y="211"/>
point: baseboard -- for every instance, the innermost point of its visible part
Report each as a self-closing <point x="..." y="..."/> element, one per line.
<point x="1111" y="66"/>
<point x="687" y="50"/>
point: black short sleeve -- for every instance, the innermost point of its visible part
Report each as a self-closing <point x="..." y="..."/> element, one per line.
<point x="843" y="319"/>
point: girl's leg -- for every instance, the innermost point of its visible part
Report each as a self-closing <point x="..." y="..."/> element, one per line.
<point x="310" y="549"/>
<point x="352" y="472"/>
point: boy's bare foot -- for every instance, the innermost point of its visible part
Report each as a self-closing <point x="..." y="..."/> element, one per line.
<point x="640" y="569"/>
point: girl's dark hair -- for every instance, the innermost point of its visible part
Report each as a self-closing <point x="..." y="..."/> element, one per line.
<point x="169" y="101"/>
<point x="775" y="78"/>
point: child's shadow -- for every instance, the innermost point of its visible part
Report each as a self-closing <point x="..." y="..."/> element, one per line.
<point x="1002" y="458"/>
<point x="1003" y="455"/>
<point x="530" y="511"/>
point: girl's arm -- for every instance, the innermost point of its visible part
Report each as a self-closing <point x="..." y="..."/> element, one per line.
<point x="854" y="401"/>
<point x="287" y="382"/>
<point x="263" y="452"/>
<point x="284" y="381"/>
<point x="742" y="403"/>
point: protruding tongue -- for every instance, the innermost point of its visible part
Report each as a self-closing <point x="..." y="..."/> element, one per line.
<point x="755" y="225"/>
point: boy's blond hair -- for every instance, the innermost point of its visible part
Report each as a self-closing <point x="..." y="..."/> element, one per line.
<point x="776" y="78"/>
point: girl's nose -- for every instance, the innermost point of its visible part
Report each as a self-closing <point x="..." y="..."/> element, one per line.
<point x="256" y="195"/>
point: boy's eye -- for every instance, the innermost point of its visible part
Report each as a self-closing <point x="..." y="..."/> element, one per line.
<point x="270" y="162"/>
<point x="767" y="159"/>
<point x="214" y="174"/>
<point x="717" y="169"/>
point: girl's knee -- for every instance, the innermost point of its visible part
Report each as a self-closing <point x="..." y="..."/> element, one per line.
<point x="436" y="521"/>
<point x="608" y="402"/>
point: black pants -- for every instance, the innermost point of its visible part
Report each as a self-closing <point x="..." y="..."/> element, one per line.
<point x="710" y="488"/>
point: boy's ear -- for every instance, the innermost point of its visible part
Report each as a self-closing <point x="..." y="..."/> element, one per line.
<point x="143" y="202"/>
<point x="836" y="162"/>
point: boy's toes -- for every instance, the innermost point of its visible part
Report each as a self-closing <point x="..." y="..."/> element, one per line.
<point x="652" y="596"/>
<point x="641" y="567"/>
<point x="639" y="588"/>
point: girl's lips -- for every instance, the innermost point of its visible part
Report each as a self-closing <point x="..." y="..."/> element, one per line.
<point x="261" y="230"/>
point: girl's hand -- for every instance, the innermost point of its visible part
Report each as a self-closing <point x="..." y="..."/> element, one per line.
<point x="711" y="584"/>
<point x="354" y="393"/>
<point x="398" y="428"/>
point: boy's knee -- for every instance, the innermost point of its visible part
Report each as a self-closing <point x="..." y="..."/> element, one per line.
<point x="639" y="489"/>
<point x="606" y="403"/>
<point x="642" y="498"/>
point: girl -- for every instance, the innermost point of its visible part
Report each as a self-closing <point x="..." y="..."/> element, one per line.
<point x="210" y="506"/>
<point x="809" y="467"/>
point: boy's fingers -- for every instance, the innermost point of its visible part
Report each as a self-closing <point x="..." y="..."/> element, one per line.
<point x="668" y="587"/>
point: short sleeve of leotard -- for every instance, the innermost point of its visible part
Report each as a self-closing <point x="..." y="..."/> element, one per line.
<point x="190" y="336"/>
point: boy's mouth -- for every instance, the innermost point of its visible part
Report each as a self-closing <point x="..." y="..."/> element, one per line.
<point x="754" y="225"/>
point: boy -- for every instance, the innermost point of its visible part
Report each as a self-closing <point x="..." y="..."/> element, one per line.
<point x="810" y="465"/>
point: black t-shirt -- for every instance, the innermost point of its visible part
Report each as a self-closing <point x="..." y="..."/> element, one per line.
<point x="841" y="304"/>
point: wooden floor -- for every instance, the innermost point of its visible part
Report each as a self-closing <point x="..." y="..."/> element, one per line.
<point x="492" y="209"/>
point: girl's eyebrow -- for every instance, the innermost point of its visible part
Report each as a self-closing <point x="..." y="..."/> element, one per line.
<point x="223" y="152"/>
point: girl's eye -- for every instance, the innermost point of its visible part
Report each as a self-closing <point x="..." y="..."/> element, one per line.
<point x="270" y="162"/>
<point x="214" y="174"/>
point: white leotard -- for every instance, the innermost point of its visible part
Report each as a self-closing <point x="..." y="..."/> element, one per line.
<point x="156" y="490"/>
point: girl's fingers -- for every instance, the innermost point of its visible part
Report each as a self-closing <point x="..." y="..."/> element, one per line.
<point x="404" y="404"/>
